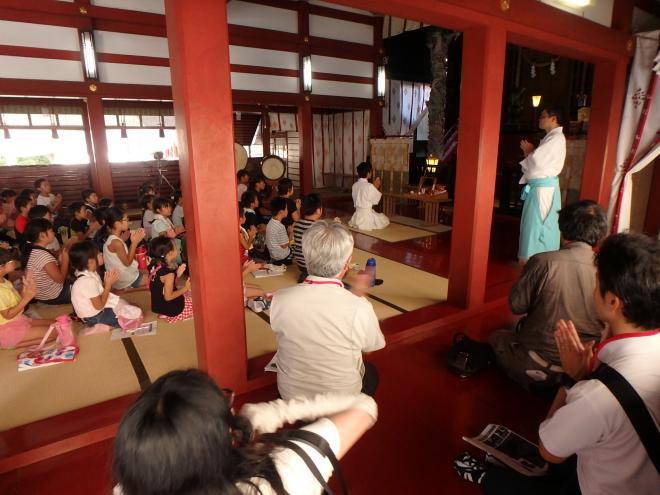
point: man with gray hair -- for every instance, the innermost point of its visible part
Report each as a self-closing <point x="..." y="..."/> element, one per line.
<point x="322" y="329"/>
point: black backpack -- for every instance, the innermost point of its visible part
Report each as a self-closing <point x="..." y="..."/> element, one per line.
<point x="467" y="357"/>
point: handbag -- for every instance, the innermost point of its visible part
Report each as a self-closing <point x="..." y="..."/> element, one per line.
<point x="467" y="357"/>
<point x="635" y="409"/>
<point x="129" y="317"/>
<point x="285" y="439"/>
<point x="64" y="330"/>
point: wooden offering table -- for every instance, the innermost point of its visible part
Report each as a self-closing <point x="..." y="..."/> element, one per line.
<point x="431" y="203"/>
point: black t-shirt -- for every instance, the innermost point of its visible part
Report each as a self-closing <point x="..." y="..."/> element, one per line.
<point x="158" y="303"/>
<point x="291" y="207"/>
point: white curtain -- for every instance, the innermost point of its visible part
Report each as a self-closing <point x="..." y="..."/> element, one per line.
<point x="405" y="103"/>
<point x="340" y="143"/>
<point x="638" y="142"/>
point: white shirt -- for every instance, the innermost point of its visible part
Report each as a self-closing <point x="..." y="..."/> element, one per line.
<point x="547" y="160"/>
<point x="147" y="218"/>
<point x="611" y="458"/>
<point x="365" y="194"/>
<point x="87" y="286"/>
<point x="127" y="274"/>
<point x="161" y="224"/>
<point x="177" y="216"/>
<point x="276" y="237"/>
<point x="294" y="473"/>
<point x="241" y="189"/>
<point x="322" y="330"/>
<point x="46" y="200"/>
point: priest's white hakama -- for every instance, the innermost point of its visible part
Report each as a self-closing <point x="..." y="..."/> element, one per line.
<point x="366" y="195"/>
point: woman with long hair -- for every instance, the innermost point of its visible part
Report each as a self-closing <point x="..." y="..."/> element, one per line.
<point x="181" y="437"/>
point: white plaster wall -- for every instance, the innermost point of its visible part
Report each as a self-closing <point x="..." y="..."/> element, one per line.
<point x="262" y="82"/>
<point x="153" y="6"/>
<point x="40" y="68"/>
<point x="336" y="29"/>
<point x="599" y="11"/>
<point x="134" y="74"/>
<point x="130" y="44"/>
<point x="336" y="88"/>
<point x="339" y="7"/>
<point x="262" y="58"/>
<point x="38" y="36"/>
<point x="334" y="65"/>
<point x="262" y="16"/>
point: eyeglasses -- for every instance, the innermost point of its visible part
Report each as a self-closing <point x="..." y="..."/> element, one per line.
<point x="125" y="219"/>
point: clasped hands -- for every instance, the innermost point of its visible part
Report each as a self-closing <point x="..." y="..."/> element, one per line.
<point x="574" y="354"/>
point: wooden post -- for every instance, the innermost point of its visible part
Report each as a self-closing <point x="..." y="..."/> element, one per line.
<point x="306" y="155"/>
<point x="479" y="132"/>
<point x="606" y="105"/>
<point x="199" y="57"/>
<point x="100" y="172"/>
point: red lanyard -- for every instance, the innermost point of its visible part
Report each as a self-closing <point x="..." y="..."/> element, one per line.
<point x="618" y="337"/>
<point x="323" y="282"/>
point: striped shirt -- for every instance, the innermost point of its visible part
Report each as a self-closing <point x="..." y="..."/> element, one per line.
<point x="299" y="229"/>
<point x="47" y="288"/>
<point x="276" y="237"/>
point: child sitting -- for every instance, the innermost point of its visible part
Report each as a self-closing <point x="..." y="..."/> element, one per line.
<point x="46" y="198"/>
<point x="258" y="185"/>
<point x="167" y="301"/>
<point x="163" y="226"/>
<point x="246" y="236"/>
<point x="8" y="197"/>
<point x="92" y="300"/>
<point x="285" y="190"/>
<point x="23" y="205"/>
<point x="148" y="213"/>
<point x="40" y="211"/>
<point x="49" y="273"/>
<point x="177" y="213"/>
<point x="117" y="255"/>
<point x="243" y="178"/>
<point x="16" y="329"/>
<point x="101" y="234"/>
<point x="365" y="196"/>
<point x="106" y="203"/>
<point x="91" y="201"/>
<point x="250" y="203"/>
<point x="312" y="210"/>
<point x="277" y="239"/>
<point x="79" y="225"/>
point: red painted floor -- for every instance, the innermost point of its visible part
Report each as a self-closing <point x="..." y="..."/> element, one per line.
<point x="424" y="410"/>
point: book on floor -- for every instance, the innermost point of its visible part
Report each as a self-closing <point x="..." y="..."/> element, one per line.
<point x="147" y="328"/>
<point x="511" y="449"/>
<point x="267" y="273"/>
<point x="30" y="360"/>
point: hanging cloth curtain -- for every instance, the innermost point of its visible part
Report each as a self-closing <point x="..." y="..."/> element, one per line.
<point x="638" y="142"/>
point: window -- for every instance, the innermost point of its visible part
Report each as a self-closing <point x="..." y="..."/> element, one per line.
<point x="42" y="135"/>
<point x="136" y="130"/>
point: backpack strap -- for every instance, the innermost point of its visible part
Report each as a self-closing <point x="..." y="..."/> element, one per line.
<point x="319" y="443"/>
<point x="635" y="409"/>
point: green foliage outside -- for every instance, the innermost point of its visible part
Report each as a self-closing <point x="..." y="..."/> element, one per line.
<point x="29" y="160"/>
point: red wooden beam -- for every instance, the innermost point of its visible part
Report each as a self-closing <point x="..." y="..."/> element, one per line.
<point x="341" y="102"/>
<point x="203" y="109"/>
<point x="608" y="92"/>
<point x="101" y="174"/>
<point x="341" y="14"/>
<point x="622" y="15"/>
<point x="341" y="49"/>
<point x="41" y="87"/>
<point x="326" y="76"/>
<point x="264" y="38"/>
<point x="119" y="58"/>
<point x="266" y="98"/>
<point x="29" y="51"/>
<point x="129" y="27"/>
<point x="482" y="77"/>
<point x="271" y="71"/>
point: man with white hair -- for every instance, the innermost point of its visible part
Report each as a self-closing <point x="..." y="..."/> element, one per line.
<point x="322" y="329"/>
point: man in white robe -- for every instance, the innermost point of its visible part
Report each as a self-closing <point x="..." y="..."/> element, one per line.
<point x="539" y="228"/>
<point x="365" y="196"/>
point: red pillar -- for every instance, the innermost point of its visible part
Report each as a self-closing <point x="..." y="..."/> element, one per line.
<point x="99" y="164"/>
<point x="307" y="153"/>
<point x="608" y="92"/>
<point x="199" y="61"/>
<point x="479" y="133"/>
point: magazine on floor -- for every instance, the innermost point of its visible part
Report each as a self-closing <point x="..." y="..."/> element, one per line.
<point x="511" y="449"/>
<point x="30" y="360"/>
<point x="147" y="328"/>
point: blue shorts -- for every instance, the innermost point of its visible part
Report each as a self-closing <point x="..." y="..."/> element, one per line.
<point x="107" y="317"/>
<point x="137" y="282"/>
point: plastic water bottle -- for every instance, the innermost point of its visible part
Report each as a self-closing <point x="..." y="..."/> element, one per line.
<point x="371" y="270"/>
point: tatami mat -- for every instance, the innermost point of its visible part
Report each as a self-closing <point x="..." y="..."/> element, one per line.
<point x="260" y="337"/>
<point x="101" y="371"/>
<point x="395" y="232"/>
<point x="404" y="286"/>
<point x="417" y="223"/>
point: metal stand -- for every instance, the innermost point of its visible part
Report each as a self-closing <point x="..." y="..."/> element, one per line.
<point x="162" y="178"/>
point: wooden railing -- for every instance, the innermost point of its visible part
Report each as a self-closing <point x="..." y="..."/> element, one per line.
<point x="127" y="178"/>
<point x="69" y="180"/>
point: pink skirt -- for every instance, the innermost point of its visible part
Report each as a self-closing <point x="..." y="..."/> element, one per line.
<point x="185" y="314"/>
<point x="12" y="332"/>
